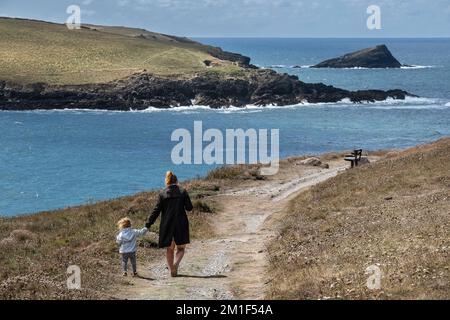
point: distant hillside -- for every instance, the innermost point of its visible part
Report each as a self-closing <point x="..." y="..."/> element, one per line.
<point x="37" y="51"/>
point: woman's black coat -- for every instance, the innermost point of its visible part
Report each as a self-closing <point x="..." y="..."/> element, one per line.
<point x="173" y="202"/>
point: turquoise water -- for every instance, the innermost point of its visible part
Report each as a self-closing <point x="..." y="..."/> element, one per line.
<point x="54" y="159"/>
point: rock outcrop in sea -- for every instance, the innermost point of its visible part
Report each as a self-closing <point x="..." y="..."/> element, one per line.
<point x="376" y="57"/>
<point x="143" y="90"/>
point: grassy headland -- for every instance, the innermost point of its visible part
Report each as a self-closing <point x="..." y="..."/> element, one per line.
<point x="37" y="51"/>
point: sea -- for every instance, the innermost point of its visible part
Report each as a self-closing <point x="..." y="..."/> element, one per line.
<point x="56" y="159"/>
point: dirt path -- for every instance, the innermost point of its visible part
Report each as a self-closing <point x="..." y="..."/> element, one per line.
<point x="233" y="264"/>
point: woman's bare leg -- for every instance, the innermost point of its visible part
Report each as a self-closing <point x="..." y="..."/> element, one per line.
<point x="170" y="257"/>
<point x="181" y="250"/>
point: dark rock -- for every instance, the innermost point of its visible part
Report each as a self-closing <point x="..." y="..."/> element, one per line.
<point x="143" y="90"/>
<point x="377" y="57"/>
<point x="239" y="59"/>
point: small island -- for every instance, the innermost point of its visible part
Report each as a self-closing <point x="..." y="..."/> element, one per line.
<point x="376" y="57"/>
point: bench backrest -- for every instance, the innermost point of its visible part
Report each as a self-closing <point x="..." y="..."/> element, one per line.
<point x="358" y="154"/>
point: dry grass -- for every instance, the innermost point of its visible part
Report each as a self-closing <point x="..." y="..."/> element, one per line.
<point x="395" y="213"/>
<point x="37" y="249"/>
<point x="36" y="51"/>
<point x="235" y="172"/>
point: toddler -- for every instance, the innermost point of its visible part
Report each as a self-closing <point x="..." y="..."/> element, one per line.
<point x="127" y="240"/>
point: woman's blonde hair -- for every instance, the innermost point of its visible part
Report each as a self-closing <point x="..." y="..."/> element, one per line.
<point x="171" y="178"/>
<point x="124" y="223"/>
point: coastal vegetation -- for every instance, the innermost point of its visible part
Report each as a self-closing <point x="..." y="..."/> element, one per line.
<point x="393" y="214"/>
<point x="37" y="51"/>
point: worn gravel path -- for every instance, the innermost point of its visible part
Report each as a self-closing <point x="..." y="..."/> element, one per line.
<point x="232" y="265"/>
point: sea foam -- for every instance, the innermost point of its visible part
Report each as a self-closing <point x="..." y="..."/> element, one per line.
<point x="412" y="67"/>
<point x="390" y="103"/>
<point x="409" y="67"/>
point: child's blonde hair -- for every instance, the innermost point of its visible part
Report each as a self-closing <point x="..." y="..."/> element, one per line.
<point x="124" y="223"/>
<point x="171" y="178"/>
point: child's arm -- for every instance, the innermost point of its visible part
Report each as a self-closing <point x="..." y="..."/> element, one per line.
<point x="141" y="232"/>
<point x="119" y="239"/>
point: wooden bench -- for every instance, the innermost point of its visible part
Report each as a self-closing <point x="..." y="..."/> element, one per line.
<point x="354" y="158"/>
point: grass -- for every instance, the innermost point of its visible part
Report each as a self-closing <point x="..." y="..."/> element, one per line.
<point x="37" y="249"/>
<point x="394" y="213"/>
<point x="36" y="51"/>
<point x="229" y="72"/>
<point x="235" y="172"/>
<point x="202" y="206"/>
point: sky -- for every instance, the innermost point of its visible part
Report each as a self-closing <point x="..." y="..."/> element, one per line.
<point x="250" y="18"/>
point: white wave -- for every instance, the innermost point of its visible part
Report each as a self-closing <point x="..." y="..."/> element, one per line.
<point x="174" y="108"/>
<point x="302" y="66"/>
<point x="390" y="103"/>
<point x="409" y="102"/>
<point x="358" y="68"/>
<point x="365" y="68"/>
<point x="412" y="67"/>
<point x="348" y="68"/>
<point x="283" y="66"/>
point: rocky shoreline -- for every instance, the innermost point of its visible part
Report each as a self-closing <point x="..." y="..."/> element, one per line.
<point x="143" y="90"/>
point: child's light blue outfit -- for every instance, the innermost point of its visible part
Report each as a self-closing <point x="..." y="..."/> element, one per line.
<point x="127" y="239"/>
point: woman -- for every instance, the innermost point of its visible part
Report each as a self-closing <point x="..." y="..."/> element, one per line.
<point x="173" y="202"/>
